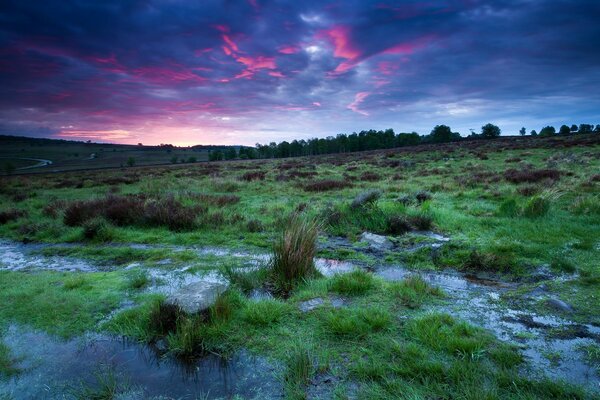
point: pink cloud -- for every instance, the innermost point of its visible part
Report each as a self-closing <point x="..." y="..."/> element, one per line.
<point x="358" y="99"/>
<point x="289" y="49"/>
<point x="276" y="74"/>
<point x="316" y="104"/>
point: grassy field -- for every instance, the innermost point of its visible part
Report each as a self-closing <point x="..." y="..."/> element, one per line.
<point x="22" y="154"/>
<point x="525" y="211"/>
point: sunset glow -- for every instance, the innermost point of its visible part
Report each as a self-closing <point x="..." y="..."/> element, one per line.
<point x="257" y="71"/>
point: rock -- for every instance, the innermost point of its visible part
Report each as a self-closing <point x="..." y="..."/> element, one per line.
<point x="197" y="296"/>
<point x="559" y="305"/>
<point x="309" y="305"/>
<point x="376" y="242"/>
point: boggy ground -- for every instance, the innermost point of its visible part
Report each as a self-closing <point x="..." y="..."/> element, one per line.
<point x="507" y="291"/>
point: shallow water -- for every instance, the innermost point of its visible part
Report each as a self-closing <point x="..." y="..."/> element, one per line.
<point x="52" y="368"/>
<point x="476" y="300"/>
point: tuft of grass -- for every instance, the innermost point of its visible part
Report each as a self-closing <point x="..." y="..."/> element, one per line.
<point x="74" y="282"/>
<point x="293" y="254"/>
<point x="299" y="368"/>
<point x="355" y="283"/>
<point x="187" y="340"/>
<point x="265" y="312"/>
<point x="537" y="206"/>
<point x="243" y="279"/>
<point x="225" y="305"/>
<point x="355" y="324"/>
<point x="106" y="387"/>
<point x="413" y="291"/>
<point x="164" y="318"/>
<point x="7" y="362"/>
<point x="563" y="265"/>
<point x="137" y="280"/>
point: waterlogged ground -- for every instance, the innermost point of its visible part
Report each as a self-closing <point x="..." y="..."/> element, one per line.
<point x="463" y="270"/>
<point x="553" y="345"/>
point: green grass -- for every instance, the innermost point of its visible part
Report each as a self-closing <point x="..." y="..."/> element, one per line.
<point x="388" y="344"/>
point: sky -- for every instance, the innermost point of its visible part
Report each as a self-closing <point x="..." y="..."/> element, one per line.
<point x="256" y="71"/>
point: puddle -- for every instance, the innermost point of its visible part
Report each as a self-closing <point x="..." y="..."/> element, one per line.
<point x="471" y="298"/>
<point x="21" y="257"/>
<point x="51" y="368"/>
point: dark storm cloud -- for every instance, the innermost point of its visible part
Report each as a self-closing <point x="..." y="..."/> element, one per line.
<point x="298" y="68"/>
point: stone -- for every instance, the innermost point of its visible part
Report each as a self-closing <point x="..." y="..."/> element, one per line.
<point x="376" y="242"/>
<point x="197" y="296"/>
<point x="309" y="305"/>
<point x="559" y="305"/>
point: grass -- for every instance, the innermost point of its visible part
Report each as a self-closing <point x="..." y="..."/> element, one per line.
<point x="293" y="254"/>
<point x="499" y="221"/>
<point x="7" y="362"/>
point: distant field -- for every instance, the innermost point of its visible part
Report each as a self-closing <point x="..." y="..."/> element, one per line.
<point x="66" y="156"/>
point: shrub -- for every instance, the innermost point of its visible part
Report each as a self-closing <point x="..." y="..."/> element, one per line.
<point x="421" y="220"/>
<point x="370" y="177"/>
<point x="531" y="175"/>
<point x="171" y="213"/>
<point x="477" y="261"/>
<point x="97" y="229"/>
<point x="422" y="196"/>
<point x="254" y="225"/>
<point x="355" y="283"/>
<point x="293" y="253"/>
<point x="11" y="215"/>
<point x="397" y="225"/>
<point x="325" y="185"/>
<point x="253" y="176"/>
<point x="366" y="198"/>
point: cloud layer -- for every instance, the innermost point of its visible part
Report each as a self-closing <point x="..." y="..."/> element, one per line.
<point x="240" y="72"/>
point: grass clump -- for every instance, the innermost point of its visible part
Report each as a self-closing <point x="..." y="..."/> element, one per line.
<point x="413" y="291"/>
<point x="537" y="206"/>
<point x="265" y="312"/>
<point x="7" y="362"/>
<point x="138" y="280"/>
<point x="356" y="323"/>
<point x="355" y="283"/>
<point x="299" y="368"/>
<point x="293" y="254"/>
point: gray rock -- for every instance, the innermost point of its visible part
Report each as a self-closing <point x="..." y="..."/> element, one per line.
<point x="197" y="296"/>
<point x="559" y="305"/>
<point x="376" y="242"/>
<point x="309" y="305"/>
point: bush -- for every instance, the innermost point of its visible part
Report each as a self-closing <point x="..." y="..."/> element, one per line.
<point x="11" y="215"/>
<point x="325" y="185"/>
<point x="254" y="225"/>
<point x="531" y="176"/>
<point x="397" y="225"/>
<point x="253" y="176"/>
<point x="366" y="198"/>
<point x="171" y="213"/>
<point x="422" y="196"/>
<point x="97" y="229"/>
<point x="293" y="253"/>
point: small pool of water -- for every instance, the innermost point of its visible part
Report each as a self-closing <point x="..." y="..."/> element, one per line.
<point x="52" y="368"/>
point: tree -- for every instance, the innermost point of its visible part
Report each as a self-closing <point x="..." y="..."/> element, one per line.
<point x="192" y="159"/>
<point x="216" y="155"/>
<point x="522" y="131"/>
<point x="230" y="153"/>
<point x="490" y="131"/>
<point x="564" y="130"/>
<point x="585" y="128"/>
<point x="574" y="128"/>
<point x="597" y="128"/>
<point x="533" y="132"/>
<point x="548" y="131"/>
<point x="441" y="134"/>
<point x="8" y="168"/>
<point x="130" y="162"/>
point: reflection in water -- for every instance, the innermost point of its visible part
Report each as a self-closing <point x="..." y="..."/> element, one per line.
<point x="51" y="367"/>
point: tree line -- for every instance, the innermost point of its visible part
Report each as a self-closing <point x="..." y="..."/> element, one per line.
<point x="375" y="140"/>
